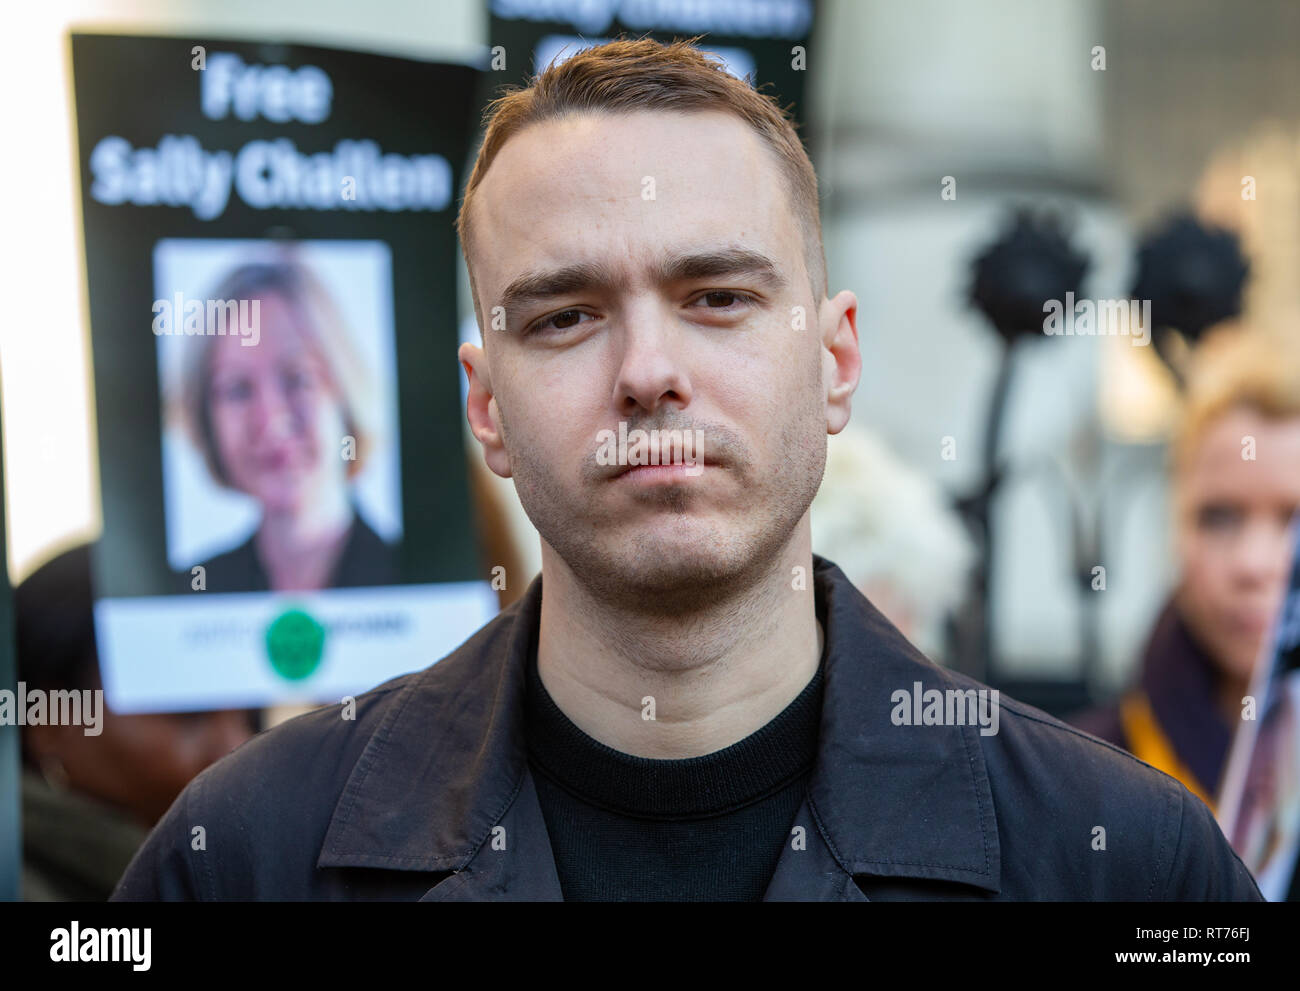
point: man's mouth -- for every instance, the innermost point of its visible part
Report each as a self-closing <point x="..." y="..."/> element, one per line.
<point x="669" y="472"/>
<point x="674" y="454"/>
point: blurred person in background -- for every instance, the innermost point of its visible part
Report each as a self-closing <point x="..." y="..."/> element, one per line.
<point x="892" y="534"/>
<point x="1236" y="488"/>
<point x="270" y="421"/>
<point x="88" y="801"/>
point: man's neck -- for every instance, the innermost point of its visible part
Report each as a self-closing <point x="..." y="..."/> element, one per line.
<point x="672" y="687"/>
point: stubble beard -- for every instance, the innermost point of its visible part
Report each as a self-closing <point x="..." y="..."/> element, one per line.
<point x="677" y="564"/>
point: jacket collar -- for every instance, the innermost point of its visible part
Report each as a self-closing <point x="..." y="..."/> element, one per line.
<point x="449" y="762"/>
<point x="894" y="801"/>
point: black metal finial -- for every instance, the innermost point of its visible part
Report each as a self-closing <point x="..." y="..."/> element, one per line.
<point x="1030" y="263"/>
<point x="1193" y="275"/>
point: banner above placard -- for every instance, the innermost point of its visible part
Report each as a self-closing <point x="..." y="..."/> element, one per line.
<point x="764" y="41"/>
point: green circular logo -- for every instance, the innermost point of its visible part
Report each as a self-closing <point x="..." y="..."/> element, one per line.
<point x="295" y="643"/>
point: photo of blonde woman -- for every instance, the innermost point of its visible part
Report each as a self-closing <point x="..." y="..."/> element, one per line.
<point x="281" y="412"/>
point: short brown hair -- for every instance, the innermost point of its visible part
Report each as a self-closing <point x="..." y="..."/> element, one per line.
<point x="650" y="75"/>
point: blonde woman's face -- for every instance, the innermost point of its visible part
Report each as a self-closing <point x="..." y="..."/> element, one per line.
<point x="1233" y="533"/>
<point x="276" y="416"/>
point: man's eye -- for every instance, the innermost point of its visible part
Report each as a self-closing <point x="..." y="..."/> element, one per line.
<point x="721" y="299"/>
<point x="564" y="320"/>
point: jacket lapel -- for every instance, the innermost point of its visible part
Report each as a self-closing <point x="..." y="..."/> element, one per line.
<point x="515" y="864"/>
<point x="807" y="871"/>
<point x="900" y="802"/>
<point x="448" y="765"/>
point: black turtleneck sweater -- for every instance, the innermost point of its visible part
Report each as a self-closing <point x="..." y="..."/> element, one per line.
<point x="709" y="828"/>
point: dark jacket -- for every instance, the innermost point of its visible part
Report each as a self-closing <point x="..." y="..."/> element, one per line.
<point x="405" y="800"/>
<point x="365" y="560"/>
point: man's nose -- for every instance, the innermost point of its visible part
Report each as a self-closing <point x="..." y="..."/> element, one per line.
<point x="651" y="362"/>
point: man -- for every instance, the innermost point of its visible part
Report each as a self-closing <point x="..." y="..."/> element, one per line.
<point x="686" y="704"/>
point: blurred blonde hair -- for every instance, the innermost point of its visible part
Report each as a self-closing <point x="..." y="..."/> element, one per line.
<point x="317" y="317"/>
<point x="1236" y="367"/>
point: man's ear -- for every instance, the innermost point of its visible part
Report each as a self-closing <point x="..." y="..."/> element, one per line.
<point x="481" y="409"/>
<point x="841" y="357"/>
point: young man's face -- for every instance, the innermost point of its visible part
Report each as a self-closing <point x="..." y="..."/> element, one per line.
<point x="650" y="272"/>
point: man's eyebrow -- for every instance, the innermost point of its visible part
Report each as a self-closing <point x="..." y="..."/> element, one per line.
<point x="537" y="287"/>
<point x="723" y="262"/>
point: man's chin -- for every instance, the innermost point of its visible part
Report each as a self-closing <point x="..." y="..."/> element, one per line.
<point x="658" y="574"/>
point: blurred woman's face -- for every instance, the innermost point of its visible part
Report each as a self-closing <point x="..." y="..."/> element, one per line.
<point x="276" y="416"/>
<point x="1233" y="530"/>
